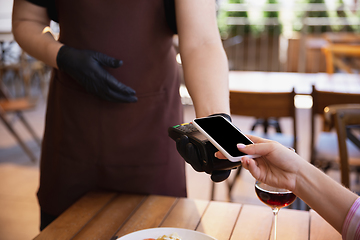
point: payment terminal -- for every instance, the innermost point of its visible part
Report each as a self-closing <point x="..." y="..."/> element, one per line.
<point x="206" y="149"/>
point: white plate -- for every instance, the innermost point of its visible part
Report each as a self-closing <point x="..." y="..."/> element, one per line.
<point x="184" y="234"/>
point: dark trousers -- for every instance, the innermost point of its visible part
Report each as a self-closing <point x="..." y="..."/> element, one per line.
<point x="45" y="219"/>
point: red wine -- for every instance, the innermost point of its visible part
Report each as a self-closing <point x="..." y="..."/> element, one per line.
<point x="275" y="199"/>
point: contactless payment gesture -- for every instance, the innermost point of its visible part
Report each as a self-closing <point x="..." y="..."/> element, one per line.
<point x="224" y="136"/>
<point x="199" y="152"/>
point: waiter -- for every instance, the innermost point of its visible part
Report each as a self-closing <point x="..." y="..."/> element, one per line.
<point x="115" y="90"/>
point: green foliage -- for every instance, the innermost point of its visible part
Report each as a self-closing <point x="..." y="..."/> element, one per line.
<point x="222" y="25"/>
<point x="342" y="14"/>
<point x="312" y="29"/>
<point x="241" y="29"/>
<point x="272" y="29"/>
<point x="228" y="31"/>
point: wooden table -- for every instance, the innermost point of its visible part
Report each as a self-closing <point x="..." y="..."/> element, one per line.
<point x="286" y="81"/>
<point x="104" y="215"/>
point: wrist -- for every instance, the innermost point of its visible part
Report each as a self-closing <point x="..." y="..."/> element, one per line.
<point x="303" y="176"/>
<point x="227" y="116"/>
<point x="60" y="55"/>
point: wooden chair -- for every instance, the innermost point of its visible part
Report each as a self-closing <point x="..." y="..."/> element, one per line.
<point x="334" y="54"/>
<point x="17" y="106"/>
<point x="346" y="121"/>
<point x="323" y="139"/>
<point x="342" y="51"/>
<point x="264" y="105"/>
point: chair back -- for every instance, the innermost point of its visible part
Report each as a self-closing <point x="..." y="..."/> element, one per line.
<point x="264" y="105"/>
<point x="322" y="99"/>
<point x="345" y="119"/>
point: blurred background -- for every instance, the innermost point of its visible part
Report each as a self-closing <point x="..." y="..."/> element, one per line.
<point x="263" y="38"/>
<point x="280" y="35"/>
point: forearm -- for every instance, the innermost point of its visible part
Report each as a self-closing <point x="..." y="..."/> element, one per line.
<point x="30" y="27"/>
<point x="203" y="56"/>
<point x="327" y="197"/>
<point x="206" y="77"/>
<point x="37" y="44"/>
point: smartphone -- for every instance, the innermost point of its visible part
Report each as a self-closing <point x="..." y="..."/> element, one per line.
<point x="224" y="136"/>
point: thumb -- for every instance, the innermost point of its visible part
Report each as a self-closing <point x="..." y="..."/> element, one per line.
<point x="248" y="149"/>
<point x="255" y="149"/>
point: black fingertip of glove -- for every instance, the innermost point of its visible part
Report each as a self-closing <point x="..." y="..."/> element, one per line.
<point x="117" y="63"/>
<point x="129" y="97"/>
<point x="133" y="99"/>
<point x="220" y="175"/>
<point x="126" y="91"/>
<point x="132" y="92"/>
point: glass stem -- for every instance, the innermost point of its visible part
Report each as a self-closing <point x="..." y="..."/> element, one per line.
<point x="275" y="212"/>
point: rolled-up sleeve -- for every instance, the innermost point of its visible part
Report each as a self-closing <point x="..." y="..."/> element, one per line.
<point x="351" y="227"/>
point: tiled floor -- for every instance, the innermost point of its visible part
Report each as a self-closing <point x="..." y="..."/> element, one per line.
<point x="19" y="211"/>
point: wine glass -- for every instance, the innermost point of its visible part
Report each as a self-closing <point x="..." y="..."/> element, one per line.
<point x="275" y="198"/>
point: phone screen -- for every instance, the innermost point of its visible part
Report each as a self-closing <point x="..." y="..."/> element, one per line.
<point x="224" y="133"/>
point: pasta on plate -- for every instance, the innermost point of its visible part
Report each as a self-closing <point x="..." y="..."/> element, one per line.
<point x="173" y="236"/>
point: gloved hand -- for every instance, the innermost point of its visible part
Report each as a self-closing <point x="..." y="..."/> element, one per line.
<point x="86" y="67"/>
<point x="192" y="156"/>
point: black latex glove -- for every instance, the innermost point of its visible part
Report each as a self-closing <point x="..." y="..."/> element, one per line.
<point x="192" y="156"/>
<point x="86" y="67"/>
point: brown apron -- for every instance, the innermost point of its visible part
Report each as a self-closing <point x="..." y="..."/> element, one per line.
<point x="92" y="144"/>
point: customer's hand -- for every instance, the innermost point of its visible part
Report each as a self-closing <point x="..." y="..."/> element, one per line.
<point x="277" y="166"/>
<point x="86" y="67"/>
